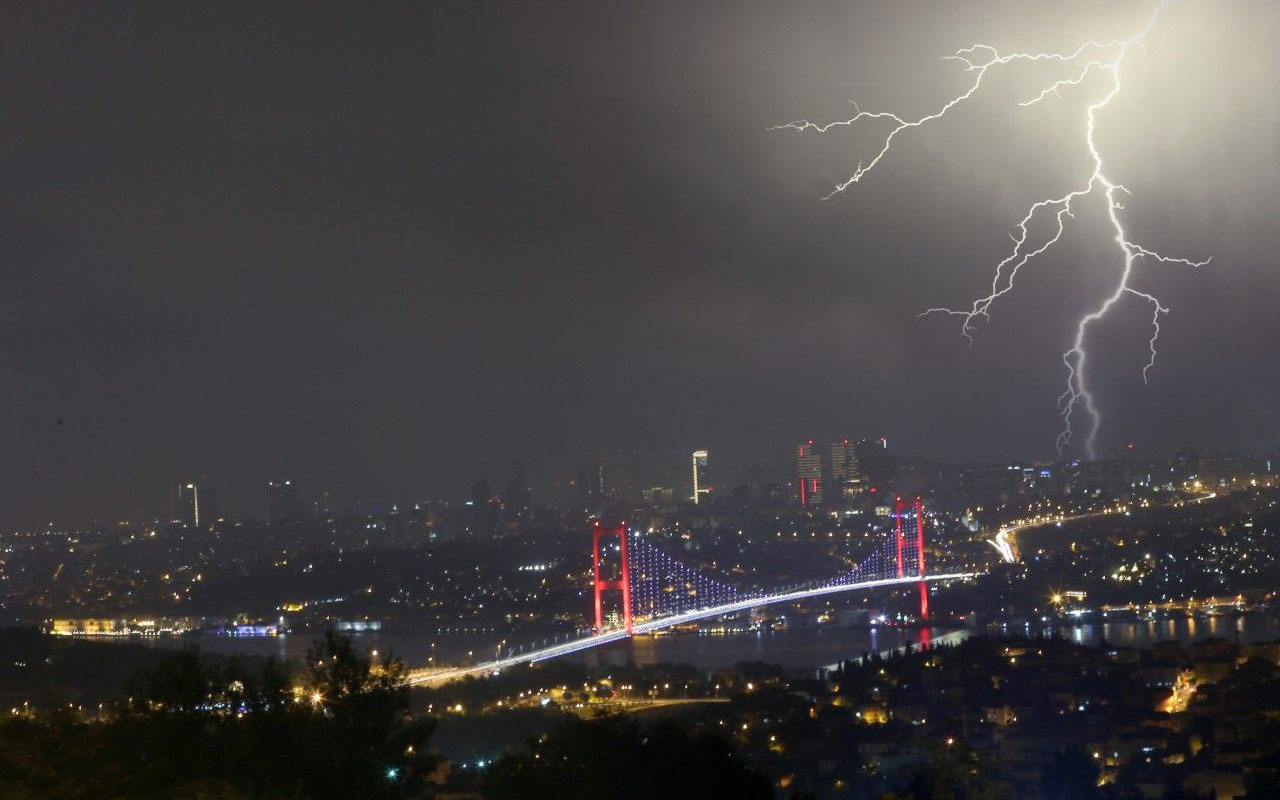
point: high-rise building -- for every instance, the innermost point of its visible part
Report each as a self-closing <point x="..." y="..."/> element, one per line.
<point x="875" y="465"/>
<point x="700" y="486"/>
<point x="481" y="494"/>
<point x="592" y="487"/>
<point x="846" y="477"/>
<point x="482" y="517"/>
<point x="809" y="470"/>
<point x="184" y="503"/>
<point x="282" y="502"/>
<point x="517" y="489"/>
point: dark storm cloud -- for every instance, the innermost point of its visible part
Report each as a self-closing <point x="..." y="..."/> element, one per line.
<point x="386" y="248"/>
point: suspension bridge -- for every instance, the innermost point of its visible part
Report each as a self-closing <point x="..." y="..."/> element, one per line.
<point x="658" y="591"/>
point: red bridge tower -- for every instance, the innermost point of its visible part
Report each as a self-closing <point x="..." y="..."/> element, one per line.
<point x="899" y="511"/>
<point x="623" y="583"/>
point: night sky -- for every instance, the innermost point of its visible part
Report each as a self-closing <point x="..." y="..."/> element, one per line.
<point x="384" y="249"/>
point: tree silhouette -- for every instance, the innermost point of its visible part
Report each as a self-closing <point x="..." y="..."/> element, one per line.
<point x="617" y="758"/>
<point x="197" y="729"/>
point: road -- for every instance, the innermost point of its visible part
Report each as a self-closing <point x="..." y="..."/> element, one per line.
<point x="588" y="710"/>
<point x="1005" y="544"/>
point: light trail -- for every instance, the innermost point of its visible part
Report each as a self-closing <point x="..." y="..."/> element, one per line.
<point x="419" y="677"/>
<point x="1091" y="58"/>
<point x="1003" y="541"/>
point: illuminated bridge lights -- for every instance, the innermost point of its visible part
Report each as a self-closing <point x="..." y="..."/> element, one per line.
<point x="658" y="591"/>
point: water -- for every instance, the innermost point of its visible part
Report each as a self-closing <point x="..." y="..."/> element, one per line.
<point x="797" y="649"/>
<point x="794" y="649"/>
<point x="1140" y="634"/>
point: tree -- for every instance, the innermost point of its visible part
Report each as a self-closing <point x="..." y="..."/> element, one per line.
<point x="179" y="683"/>
<point x="614" y="757"/>
<point x="1070" y="774"/>
<point x="369" y="738"/>
<point x="953" y="772"/>
<point x="201" y="730"/>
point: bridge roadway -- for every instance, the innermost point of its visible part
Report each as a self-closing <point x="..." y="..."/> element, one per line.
<point x="426" y="677"/>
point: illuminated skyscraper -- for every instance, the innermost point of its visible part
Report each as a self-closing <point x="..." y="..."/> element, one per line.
<point x="846" y="478"/>
<point x="700" y="486"/>
<point x="282" y="502"/>
<point x="809" y="470"/>
<point x="184" y="502"/>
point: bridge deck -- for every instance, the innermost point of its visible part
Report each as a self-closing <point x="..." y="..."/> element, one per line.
<point x="421" y="677"/>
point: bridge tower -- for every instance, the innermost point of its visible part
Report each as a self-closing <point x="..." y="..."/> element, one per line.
<point x="623" y="583"/>
<point x="899" y="511"/>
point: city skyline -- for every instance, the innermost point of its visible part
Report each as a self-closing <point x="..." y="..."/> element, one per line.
<point x="644" y="477"/>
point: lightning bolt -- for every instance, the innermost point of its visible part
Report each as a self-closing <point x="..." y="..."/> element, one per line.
<point x="1102" y="58"/>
